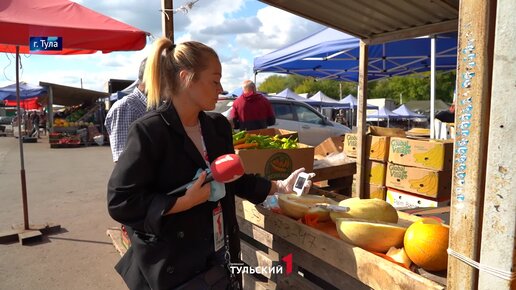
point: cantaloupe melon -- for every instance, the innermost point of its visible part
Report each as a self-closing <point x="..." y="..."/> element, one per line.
<point x="297" y="206"/>
<point x="371" y="236"/>
<point x="426" y="242"/>
<point x="370" y="209"/>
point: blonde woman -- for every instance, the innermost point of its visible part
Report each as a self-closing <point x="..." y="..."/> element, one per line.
<point x="176" y="238"/>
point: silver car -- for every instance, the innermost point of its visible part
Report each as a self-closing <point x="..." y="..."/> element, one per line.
<point x="312" y="127"/>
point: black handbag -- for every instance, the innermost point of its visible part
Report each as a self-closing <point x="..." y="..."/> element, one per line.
<point x="215" y="278"/>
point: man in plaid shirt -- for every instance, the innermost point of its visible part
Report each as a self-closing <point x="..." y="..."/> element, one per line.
<point x="123" y="113"/>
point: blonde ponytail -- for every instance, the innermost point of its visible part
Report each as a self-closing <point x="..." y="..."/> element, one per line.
<point x="152" y="76"/>
<point x="161" y="75"/>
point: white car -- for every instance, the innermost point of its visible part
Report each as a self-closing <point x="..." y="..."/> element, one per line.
<point x="311" y="126"/>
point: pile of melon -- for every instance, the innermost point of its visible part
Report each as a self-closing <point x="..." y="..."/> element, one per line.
<point x="372" y="224"/>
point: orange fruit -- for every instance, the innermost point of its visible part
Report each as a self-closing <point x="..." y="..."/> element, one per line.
<point x="426" y="242"/>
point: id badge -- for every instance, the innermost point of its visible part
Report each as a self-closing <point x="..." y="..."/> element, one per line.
<point x="218" y="227"/>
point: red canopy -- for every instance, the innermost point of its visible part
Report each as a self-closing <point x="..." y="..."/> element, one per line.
<point x="27" y="104"/>
<point x="83" y="30"/>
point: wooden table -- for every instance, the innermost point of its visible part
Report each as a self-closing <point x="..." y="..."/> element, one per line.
<point x="320" y="261"/>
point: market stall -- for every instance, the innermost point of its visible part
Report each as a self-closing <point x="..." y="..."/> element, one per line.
<point x="319" y="260"/>
<point x="81" y="119"/>
<point x="481" y="250"/>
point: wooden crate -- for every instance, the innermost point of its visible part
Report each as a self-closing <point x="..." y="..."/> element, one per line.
<point x="320" y="261"/>
<point x="338" y="178"/>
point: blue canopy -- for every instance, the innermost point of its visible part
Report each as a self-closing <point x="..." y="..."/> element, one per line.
<point x="404" y="112"/>
<point x="289" y="94"/>
<point x="27" y="91"/>
<point x="331" y="54"/>
<point x="383" y="113"/>
<point x="352" y="101"/>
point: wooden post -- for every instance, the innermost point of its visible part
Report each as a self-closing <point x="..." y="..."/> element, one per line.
<point x="499" y="225"/>
<point x="50" y="115"/>
<point x="167" y="19"/>
<point x="472" y="124"/>
<point x="361" y="123"/>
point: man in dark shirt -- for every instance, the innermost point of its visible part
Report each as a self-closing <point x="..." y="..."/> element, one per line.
<point x="251" y="110"/>
<point x="447" y="116"/>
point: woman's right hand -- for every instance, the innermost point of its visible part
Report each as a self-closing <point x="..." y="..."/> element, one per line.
<point x="198" y="193"/>
<point x="195" y="195"/>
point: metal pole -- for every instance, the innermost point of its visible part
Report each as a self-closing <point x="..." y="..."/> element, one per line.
<point x="167" y="19"/>
<point x="499" y="225"/>
<point x="20" y="140"/>
<point x="361" y="123"/>
<point x="432" y="86"/>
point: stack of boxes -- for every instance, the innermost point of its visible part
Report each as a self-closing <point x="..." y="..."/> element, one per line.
<point x="419" y="172"/>
<point x="377" y="152"/>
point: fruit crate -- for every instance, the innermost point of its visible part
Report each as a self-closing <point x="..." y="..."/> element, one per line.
<point x="317" y="259"/>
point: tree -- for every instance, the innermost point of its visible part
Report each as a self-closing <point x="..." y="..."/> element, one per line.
<point x="277" y="83"/>
<point x="412" y="87"/>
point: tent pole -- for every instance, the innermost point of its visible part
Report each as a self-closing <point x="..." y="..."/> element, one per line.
<point x="432" y="86"/>
<point x="361" y="123"/>
<point x="20" y="140"/>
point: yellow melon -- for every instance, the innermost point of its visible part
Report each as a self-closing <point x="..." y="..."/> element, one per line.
<point x="371" y="236"/>
<point x="370" y="209"/>
<point x="298" y="206"/>
<point x="426" y="242"/>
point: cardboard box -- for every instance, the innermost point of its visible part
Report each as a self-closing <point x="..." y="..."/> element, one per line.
<point x="430" y="154"/>
<point x="436" y="184"/>
<point x="377" y="147"/>
<point x="274" y="132"/>
<point x="375" y="173"/>
<point x="277" y="164"/>
<point x="375" y="191"/>
<point x="403" y="200"/>
<point x="328" y="146"/>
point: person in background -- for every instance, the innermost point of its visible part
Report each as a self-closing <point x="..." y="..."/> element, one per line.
<point x="447" y="116"/>
<point x="118" y="120"/>
<point x="123" y="113"/>
<point x="178" y="238"/>
<point x="35" y="124"/>
<point x="251" y="110"/>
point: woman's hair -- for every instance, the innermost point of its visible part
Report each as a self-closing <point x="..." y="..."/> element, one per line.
<point x="166" y="61"/>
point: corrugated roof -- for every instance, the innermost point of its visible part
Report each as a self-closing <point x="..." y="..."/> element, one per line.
<point x="69" y="96"/>
<point x="378" y="21"/>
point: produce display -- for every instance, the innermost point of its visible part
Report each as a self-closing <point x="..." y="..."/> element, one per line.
<point x="75" y="116"/>
<point x="297" y="207"/>
<point x="426" y="242"/>
<point x="367" y="209"/>
<point x="373" y="224"/>
<point x="244" y="140"/>
<point x="399" y="256"/>
<point x="372" y="236"/>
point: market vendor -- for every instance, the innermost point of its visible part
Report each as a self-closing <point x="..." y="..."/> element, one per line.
<point x="177" y="237"/>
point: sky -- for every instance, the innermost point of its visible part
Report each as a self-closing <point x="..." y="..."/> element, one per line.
<point x="239" y="30"/>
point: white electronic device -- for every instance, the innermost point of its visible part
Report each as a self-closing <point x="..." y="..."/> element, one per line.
<point x="301" y="183"/>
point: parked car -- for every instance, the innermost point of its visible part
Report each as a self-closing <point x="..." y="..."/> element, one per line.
<point x="312" y="126"/>
<point x="6" y="120"/>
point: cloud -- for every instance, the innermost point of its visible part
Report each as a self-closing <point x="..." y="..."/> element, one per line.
<point x="234" y="26"/>
<point x="278" y="29"/>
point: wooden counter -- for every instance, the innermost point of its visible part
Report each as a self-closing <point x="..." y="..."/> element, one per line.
<point x="320" y="261"/>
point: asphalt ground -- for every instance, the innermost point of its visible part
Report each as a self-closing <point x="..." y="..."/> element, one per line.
<point x="65" y="187"/>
